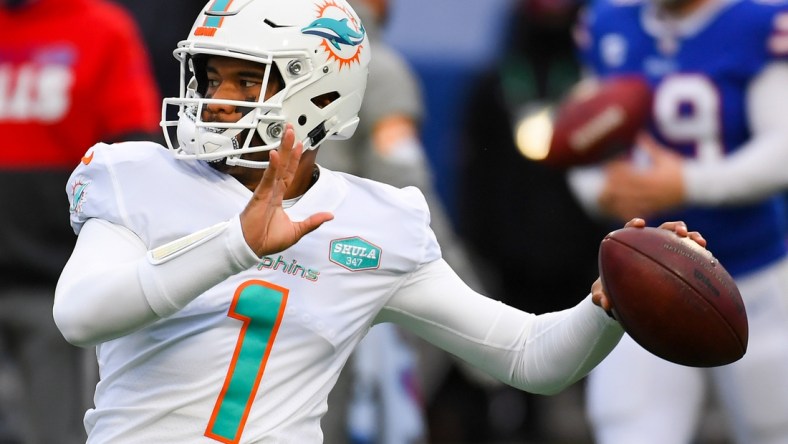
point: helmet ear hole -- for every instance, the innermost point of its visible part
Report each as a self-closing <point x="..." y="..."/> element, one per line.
<point x="198" y="65"/>
<point x="276" y="78"/>
<point x="323" y="100"/>
<point x="302" y="120"/>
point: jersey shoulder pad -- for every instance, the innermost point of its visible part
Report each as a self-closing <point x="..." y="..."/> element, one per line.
<point x="400" y="213"/>
<point x="410" y="199"/>
<point x="93" y="189"/>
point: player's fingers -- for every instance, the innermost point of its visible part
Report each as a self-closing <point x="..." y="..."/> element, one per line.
<point x="311" y="223"/>
<point x="275" y="177"/>
<point x="265" y="189"/>
<point x="636" y="222"/>
<point x="698" y="238"/>
<point x="285" y="150"/>
<point x="678" y="227"/>
<point x="293" y="150"/>
<point x="599" y="297"/>
<point x="292" y="166"/>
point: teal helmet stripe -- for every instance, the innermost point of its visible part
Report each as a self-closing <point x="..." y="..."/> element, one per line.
<point x="217" y="6"/>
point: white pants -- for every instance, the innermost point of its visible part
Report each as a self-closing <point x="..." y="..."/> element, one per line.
<point x="636" y="397"/>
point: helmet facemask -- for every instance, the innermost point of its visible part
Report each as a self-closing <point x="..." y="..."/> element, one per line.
<point x="259" y="129"/>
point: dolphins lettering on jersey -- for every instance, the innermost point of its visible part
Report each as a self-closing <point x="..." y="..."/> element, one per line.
<point x="341" y="31"/>
<point x="213" y="23"/>
<point x="355" y="254"/>
<point x="291" y="268"/>
<point x="78" y="194"/>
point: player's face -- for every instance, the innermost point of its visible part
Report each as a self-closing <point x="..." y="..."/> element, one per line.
<point x="234" y="79"/>
<point x="241" y="80"/>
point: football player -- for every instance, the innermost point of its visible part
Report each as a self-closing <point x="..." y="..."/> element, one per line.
<point x="713" y="155"/>
<point x="226" y="278"/>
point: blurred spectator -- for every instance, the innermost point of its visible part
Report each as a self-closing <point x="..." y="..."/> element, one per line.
<point x="163" y="23"/>
<point x="72" y="73"/>
<point x="389" y="375"/>
<point x="543" y="241"/>
<point x="534" y="244"/>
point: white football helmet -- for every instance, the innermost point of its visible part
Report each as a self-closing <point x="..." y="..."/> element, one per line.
<point x="319" y="48"/>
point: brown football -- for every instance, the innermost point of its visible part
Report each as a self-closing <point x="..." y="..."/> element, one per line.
<point x="673" y="297"/>
<point x="599" y="119"/>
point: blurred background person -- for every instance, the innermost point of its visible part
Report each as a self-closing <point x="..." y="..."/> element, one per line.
<point x="162" y="24"/>
<point x="384" y="389"/>
<point x="715" y="156"/>
<point x="543" y="240"/>
<point x="536" y="70"/>
<point x="72" y="73"/>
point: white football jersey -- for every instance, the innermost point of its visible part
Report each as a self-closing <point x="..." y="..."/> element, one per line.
<point x="251" y="360"/>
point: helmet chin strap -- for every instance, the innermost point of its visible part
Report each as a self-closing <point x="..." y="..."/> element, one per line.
<point x="238" y="161"/>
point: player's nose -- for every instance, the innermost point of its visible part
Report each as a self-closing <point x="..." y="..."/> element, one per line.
<point x="220" y="107"/>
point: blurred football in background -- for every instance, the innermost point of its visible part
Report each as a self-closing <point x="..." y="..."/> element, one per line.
<point x="598" y="119"/>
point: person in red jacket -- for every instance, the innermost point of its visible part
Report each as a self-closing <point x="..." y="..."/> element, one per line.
<point x="72" y="73"/>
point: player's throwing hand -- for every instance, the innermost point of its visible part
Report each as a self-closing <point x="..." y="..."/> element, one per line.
<point x="679" y="227"/>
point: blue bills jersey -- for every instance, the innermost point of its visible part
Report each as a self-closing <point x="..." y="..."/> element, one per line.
<point x="700" y="71"/>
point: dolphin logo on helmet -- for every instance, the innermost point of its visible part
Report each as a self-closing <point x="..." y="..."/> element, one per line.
<point x="335" y="31"/>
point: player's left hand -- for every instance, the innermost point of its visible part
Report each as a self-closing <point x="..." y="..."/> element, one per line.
<point x="598" y="295"/>
<point x="633" y="190"/>
<point x="266" y="227"/>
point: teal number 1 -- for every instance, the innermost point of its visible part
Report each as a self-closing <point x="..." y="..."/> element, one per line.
<point x="260" y="306"/>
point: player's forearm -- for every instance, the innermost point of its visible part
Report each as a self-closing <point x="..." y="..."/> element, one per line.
<point x="540" y="354"/>
<point x="564" y="346"/>
<point x="112" y="285"/>
<point x="755" y="172"/>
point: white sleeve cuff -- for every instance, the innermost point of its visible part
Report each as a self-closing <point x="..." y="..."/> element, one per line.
<point x="178" y="272"/>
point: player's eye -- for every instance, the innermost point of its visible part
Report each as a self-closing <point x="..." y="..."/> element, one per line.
<point x="250" y="83"/>
<point x="213" y="84"/>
